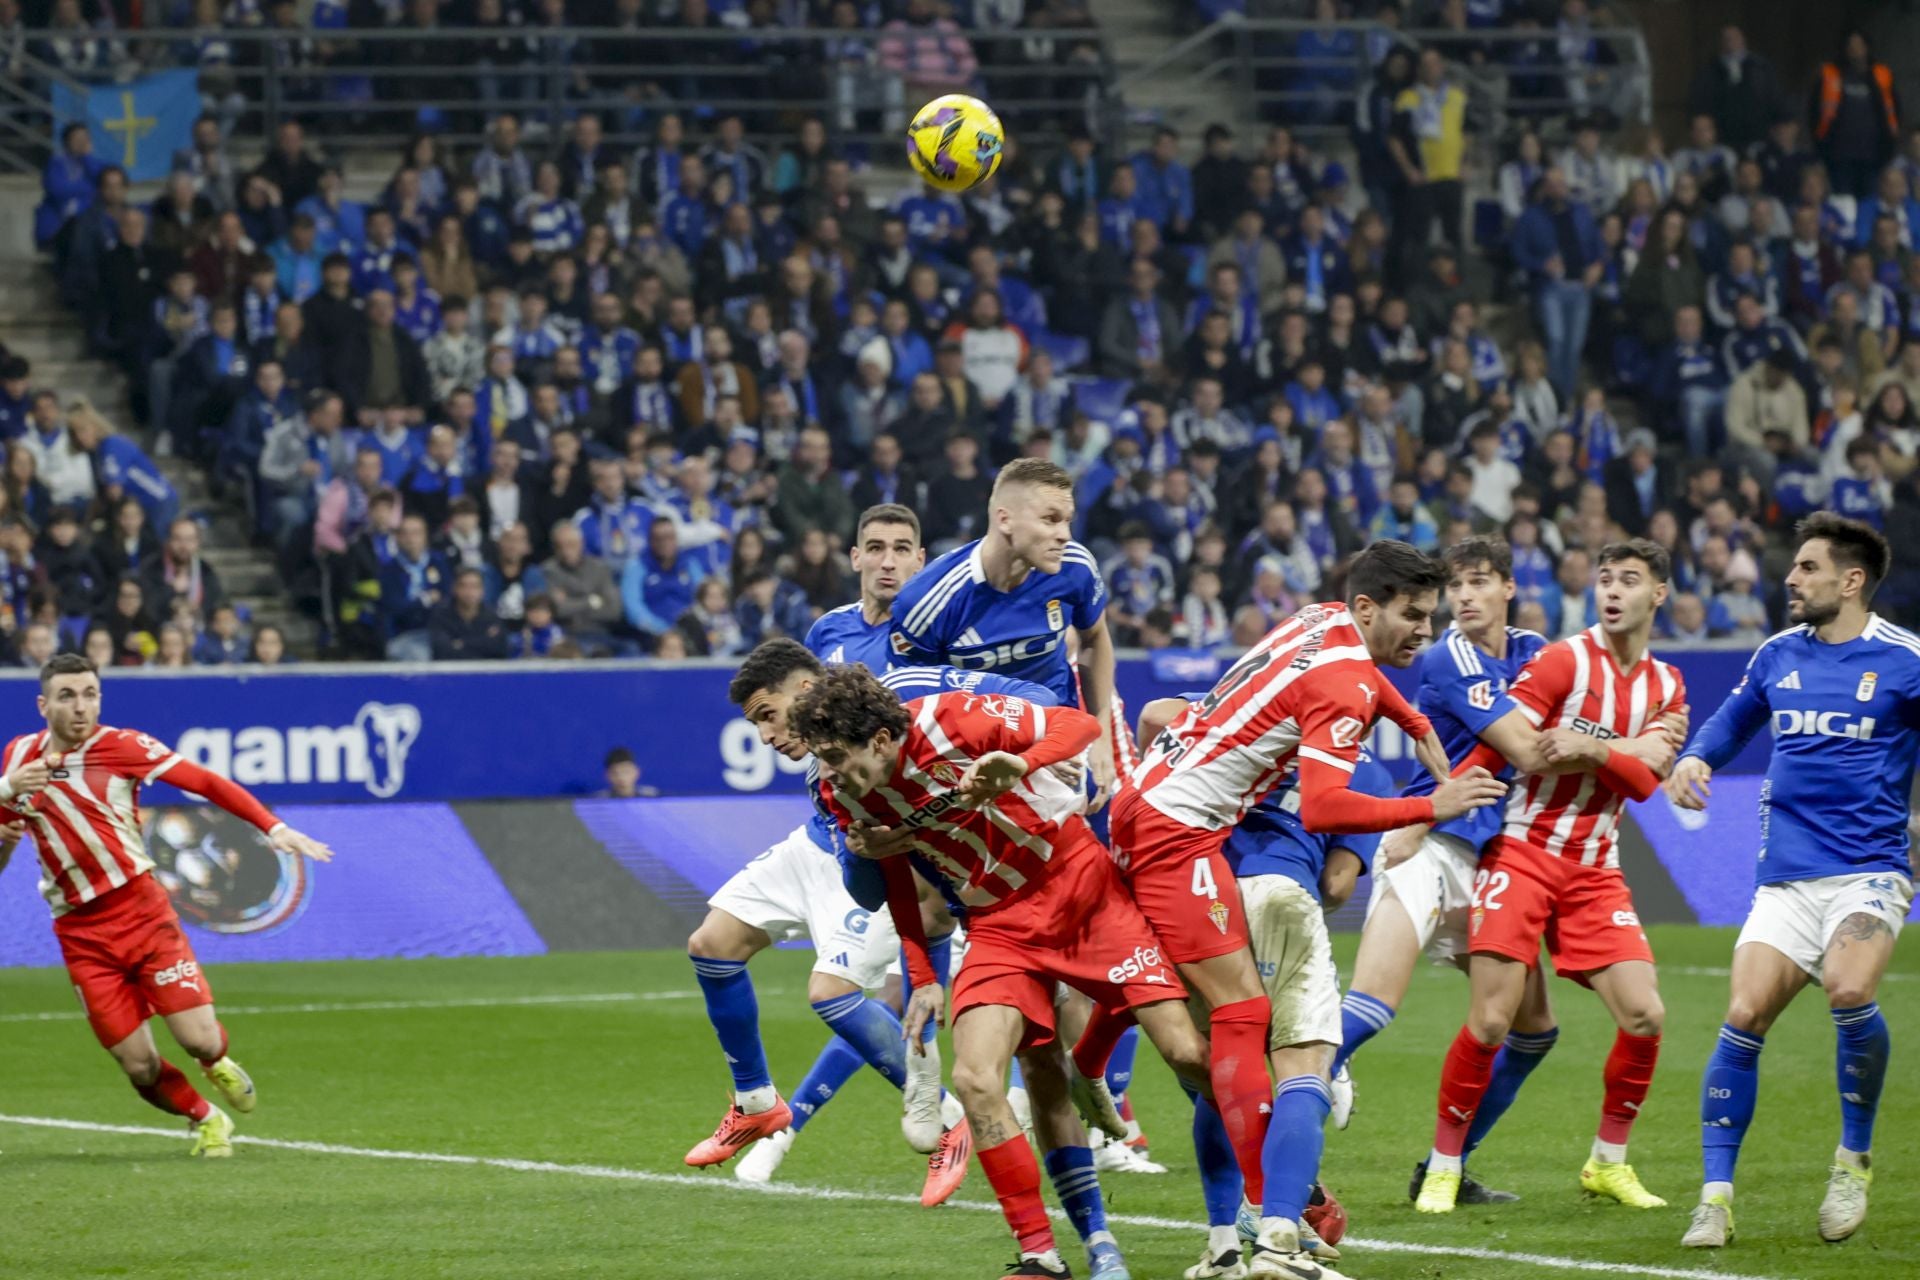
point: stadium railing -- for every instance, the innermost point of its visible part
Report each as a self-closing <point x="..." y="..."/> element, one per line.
<point x="383" y="91"/>
<point x="1261" y="66"/>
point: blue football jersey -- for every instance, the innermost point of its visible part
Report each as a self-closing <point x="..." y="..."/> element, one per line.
<point x="844" y="635"/>
<point x="1272" y="841"/>
<point x="1463" y="691"/>
<point x="1846" y="725"/>
<point x="948" y="615"/>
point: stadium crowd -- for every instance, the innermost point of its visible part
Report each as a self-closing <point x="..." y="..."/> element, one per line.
<point x="578" y="399"/>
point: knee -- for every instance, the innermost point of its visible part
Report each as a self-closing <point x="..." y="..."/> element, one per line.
<point x="141" y="1065"/>
<point x="976" y="1085"/>
<point x="1748" y="1015"/>
<point x="1489" y="1026"/>
<point x="1646" y="1017"/>
<point x="827" y="986"/>
<point x="1846" y="993"/>
<point x="713" y="940"/>
<point x="202" y="1047"/>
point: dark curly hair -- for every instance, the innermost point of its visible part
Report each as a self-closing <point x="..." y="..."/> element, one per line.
<point x="847" y="705"/>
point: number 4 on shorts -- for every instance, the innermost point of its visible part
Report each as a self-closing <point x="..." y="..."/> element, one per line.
<point x="1203" y="885"/>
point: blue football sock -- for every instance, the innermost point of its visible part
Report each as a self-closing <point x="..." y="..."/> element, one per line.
<point x="735" y="1016"/>
<point x="1291" y="1157"/>
<point x="872" y="1029"/>
<point x="1511" y="1067"/>
<point x="1362" y="1017"/>
<point x="1727" y="1093"/>
<point x="1861" y="1064"/>
<point x="837" y="1063"/>
<point x="1078" y="1188"/>
<point x="1120" y="1064"/>
<point x="1220" y="1184"/>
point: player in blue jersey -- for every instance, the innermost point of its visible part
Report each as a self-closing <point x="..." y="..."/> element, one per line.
<point x="1421" y="892"/>
<point x="1289" y="879"/>
<point x="1005" y="603"/>
<point x="1841" y="691"/>
<point x="886" y="554"/>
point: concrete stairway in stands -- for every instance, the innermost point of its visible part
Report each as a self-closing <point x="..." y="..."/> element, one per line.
<point x="35" y="325"/>
<point x="1140" y="31"/>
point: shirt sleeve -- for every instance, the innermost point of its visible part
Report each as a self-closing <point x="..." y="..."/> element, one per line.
<point x="918" y="644"/>
<point x="1454" y="680"/>
<point x="1090" y="597"/>
<point x="1744" y="713"/>
<point x="1335" y="711"/>
<point x="130" y="754"/>
<point x="1543" y="684"/>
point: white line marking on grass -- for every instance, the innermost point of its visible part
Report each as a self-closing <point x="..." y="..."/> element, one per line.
<point x="1715" y="971"/>
<point x="368" y="1006"/>
<point x="721" y="1182"/>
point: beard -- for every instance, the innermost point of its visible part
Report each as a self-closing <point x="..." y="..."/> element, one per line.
<point x="1811" y="614"/>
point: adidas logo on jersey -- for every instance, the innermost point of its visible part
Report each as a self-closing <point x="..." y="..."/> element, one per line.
<point x="1790" y="681"/>
<point x="971" y="638"/>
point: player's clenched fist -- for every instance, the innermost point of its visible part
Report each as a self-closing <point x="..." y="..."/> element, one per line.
<point x="1690" y="785"/>
<point x="1474" y="789"/>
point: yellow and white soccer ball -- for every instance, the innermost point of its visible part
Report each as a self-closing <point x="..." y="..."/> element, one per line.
<point x="955" y="142"/>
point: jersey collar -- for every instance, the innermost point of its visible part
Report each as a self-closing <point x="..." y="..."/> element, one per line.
<point x="976" y="567"/>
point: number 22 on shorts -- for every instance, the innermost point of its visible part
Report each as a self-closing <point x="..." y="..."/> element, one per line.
<point x="1487" y="888"/>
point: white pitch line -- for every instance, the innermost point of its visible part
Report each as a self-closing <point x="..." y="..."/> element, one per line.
<point x="367" y="1006"/>
<point x="1715" y="971"/>
<point x="713" y="1182"/>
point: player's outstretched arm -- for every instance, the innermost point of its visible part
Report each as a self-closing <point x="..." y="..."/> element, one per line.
<point x="1724" y="735"/>
<point x="903" y="904"/>
<point x="242" y="804"/>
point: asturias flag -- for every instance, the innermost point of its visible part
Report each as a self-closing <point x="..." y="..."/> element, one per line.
<point x="139" y="125"/>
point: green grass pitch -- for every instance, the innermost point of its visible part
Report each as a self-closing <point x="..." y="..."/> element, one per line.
<point x="584" y="1078"/>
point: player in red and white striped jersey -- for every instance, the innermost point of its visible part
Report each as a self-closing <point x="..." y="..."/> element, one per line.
<point x="960" y="782"/>
<point x="1599" y="720"/>
<point x="77" y="783"/>
<point x="1299" y="703"/>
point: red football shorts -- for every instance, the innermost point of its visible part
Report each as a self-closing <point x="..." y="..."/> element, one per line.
<point x="1080" y="928"/>
<point x="129" y="959"/>
<point x="1181" y="883"/>
<point x="1585" y="915"/>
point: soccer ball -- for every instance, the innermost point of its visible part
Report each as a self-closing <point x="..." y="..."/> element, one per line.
<point x="954" y="142"/>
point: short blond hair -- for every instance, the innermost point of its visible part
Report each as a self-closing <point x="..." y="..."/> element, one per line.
<point x="1031" y="471"/>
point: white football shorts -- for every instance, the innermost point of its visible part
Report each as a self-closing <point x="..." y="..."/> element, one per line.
<point x="1798" y="918"/>
<point x="1435" y="885"/>
<point x="1294" y="954"/>
<point x="794" y="891"/>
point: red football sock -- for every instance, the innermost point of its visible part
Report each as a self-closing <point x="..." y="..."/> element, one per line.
<point x="1096" y="1043"/>
<point x="1242" y="1090"/>
<point x="1629" y="1074"/>
<point x="1463" y="1082"/>
<point x="207" y="1062"/>
<point x="173" y="1094"/>
<point x="1015" y="1176"/>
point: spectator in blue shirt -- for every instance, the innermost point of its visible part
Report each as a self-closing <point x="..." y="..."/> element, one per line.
<point x="683" y="215"/>
<point x="1165" y="187"/>
<point x="1139" y="580"/>
<point x="1313" y="404"/>
<point x="66" y="184"/>
<point x="397" y="444"/>
<point x="552" y="219"/>
<point x="1557" y="243"/>
<point x="222" y="643"/>
<point x="657" y="585"/>
<point x="1864" y="493"/>
<point x="1120" y="209"/>
<point x="340" y="224"/>
<point x="412" y="585"/>
<point x="614" y="524"/>
<point x="1405" y="518"/>
<point x="1690" y="376"/>
<point x="254" y="418"/>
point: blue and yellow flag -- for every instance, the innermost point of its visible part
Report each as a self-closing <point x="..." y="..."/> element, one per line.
<point x="139" y="125"/>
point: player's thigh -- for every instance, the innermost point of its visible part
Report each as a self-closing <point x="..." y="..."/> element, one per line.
<point x="1293" y="955"/>
<point x="1535" y="1015"/>
<point x="1496" y="985"/>
<point x="768" y="897"/>
<point x="985" y="1038"/>
<point x="1433" y="890"/>
<point x="1864" y="915"/>
<point x="1170" y="1028"/>
<point x="1596" y="926"/>
<point x="1187" y="892"/>
<point x="1763" y="983"/>
<point x="107" y="983"/>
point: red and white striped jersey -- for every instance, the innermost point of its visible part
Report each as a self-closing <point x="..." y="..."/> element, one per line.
<point x="1309" y="689"/>
<point x="993" y="855"/>
<point x="86" y="822"/>
<point x="1575" y="684"/>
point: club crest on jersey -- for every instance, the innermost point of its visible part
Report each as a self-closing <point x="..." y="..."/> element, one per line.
<point x="1220" y="915"/>
<point x="1865" y="692"/>
<point x="946" y="773"/>
<point x="1056" y="619"/>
